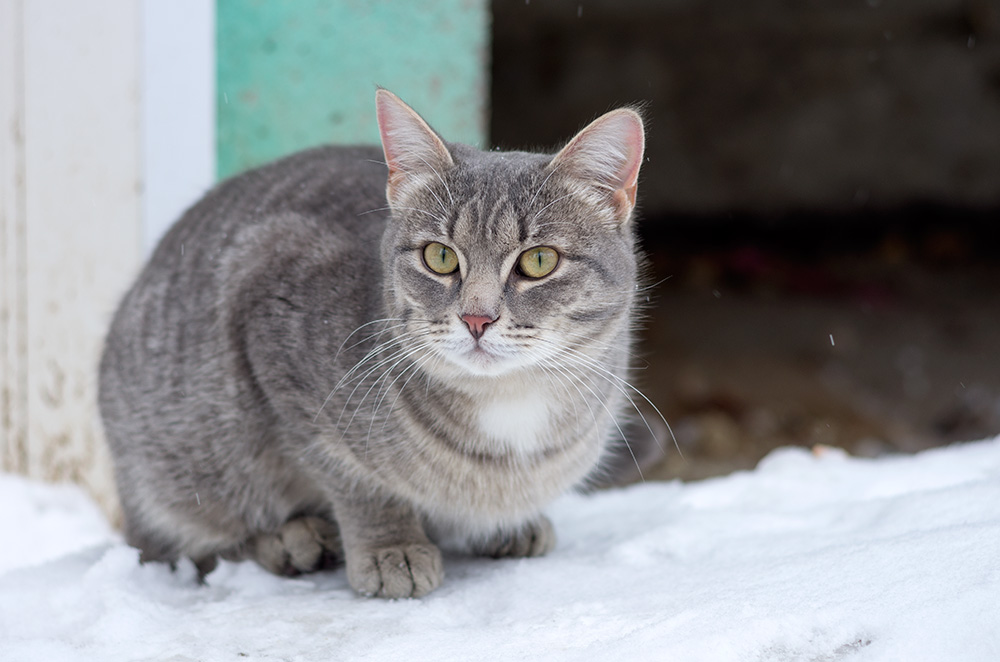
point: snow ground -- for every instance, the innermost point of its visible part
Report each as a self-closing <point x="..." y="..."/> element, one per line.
<point x="817" y="557"/>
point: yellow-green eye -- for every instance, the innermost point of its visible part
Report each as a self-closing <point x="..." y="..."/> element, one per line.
<point x="538" y="262"/>
<point x="440" y="259"/>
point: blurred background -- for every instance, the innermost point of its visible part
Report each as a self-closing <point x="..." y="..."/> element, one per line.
<point x="820" y="206"/>
<point x="819" y="202"/>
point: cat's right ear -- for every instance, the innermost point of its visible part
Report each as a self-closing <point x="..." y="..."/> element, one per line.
<point x="413" y="151"/>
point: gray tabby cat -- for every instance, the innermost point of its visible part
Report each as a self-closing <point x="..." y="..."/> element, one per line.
<point x="304" y="375"/>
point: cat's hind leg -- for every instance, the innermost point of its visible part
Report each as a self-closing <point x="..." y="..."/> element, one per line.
<point x="534" y="538"/>
<point x="153" y="549"/>
<point x="302" y="544"/>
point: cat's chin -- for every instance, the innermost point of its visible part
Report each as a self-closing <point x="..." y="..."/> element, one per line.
<point x="479" y="362"/>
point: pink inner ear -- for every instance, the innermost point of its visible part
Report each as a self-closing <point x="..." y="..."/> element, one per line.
<point x="634" y="146"/>
<point x="408" y="142"/>
<point x="609" y="152"/>
<point x="386" y="111"/>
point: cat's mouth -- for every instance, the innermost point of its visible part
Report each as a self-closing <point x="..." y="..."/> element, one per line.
<point x="480" y="359"/>
<point x="489" y="354"/>
<point x="480" y="355"/>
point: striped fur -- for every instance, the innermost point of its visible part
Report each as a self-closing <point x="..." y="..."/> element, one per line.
<point x="286" y="356"/>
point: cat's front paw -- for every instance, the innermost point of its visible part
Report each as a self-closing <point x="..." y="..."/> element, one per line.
<point x="403" y="571"/>
<point x="534" y="538"/>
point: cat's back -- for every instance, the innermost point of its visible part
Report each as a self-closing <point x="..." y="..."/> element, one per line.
<point x="265" y="235"/>
<point x="340" y="190"/>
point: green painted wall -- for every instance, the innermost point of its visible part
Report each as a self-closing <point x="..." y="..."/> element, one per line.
<point x="291" y="75"/>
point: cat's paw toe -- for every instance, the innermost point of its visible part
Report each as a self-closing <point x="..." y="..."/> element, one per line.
<point x="534" y="538"/>
<point x="404" y="571"/>
<point x="304" y="544"/>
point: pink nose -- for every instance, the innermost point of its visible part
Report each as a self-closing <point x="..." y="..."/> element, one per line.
<point x="477" y="324"/>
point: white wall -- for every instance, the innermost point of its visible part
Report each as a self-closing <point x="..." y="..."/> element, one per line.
<point x="13" y="314"/>
<point x="106" y="134"/>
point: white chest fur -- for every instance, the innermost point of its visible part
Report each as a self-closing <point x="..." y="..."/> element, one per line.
<point x="518" y="422"/>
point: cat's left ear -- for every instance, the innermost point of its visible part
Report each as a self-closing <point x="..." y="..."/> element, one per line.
<point x="413" y="151"/>
<point x="606" y="156"/>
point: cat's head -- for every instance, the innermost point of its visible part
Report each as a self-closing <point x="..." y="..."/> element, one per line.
<point x="501" y="261"/>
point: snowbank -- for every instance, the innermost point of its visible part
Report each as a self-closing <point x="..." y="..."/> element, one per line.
<point x="808" y="557"/>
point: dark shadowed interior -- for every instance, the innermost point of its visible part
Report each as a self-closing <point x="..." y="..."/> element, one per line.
<point x="819" y="203"/>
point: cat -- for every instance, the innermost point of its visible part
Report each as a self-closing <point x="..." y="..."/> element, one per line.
<point x="359" y="356"/>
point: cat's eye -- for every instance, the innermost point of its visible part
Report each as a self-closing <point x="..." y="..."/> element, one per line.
<point x="440" y="259"/>
<point x="538" y="262"/>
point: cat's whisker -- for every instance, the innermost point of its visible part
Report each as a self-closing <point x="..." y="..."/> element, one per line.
<point x="366" y="324"/>
<point x="571" y="380"/>
<point x="417" y="370"/>
<point x="388" y="328"/>
<point x="625" y="394"/>
<point x="384" y="387"/>
<point x="340" y="383"/>
<point x="439" y="176"/>
<point x="437" y="198"/>
<point x="440" y="219"/>
<point x="591" y="341"/>
<point x="583" y="361"/>
<point x="398" y="357"/>
<point x="377" y="349"/>
<point x="376" y="334"/>
<point x="559" y="199"/>
<point x="542" y="185"/>
<point x="622" y="384"/>
<point x="614" y="420"/>
<point x="384" y="391"/>
<point x="582" y="336"/>
<point x="646" y="288"/>
<point x="556" y="223"/>
<point x="559" y="379"/>
<point x="347" y="378"/>
<point x="372" y="211"/>
<point x="379" y="353"/>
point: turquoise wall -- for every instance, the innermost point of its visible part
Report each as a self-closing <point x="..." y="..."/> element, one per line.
<point x="291" y="75"/>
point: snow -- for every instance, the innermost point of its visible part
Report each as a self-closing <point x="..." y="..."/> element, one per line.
<point x="812" y="556"/>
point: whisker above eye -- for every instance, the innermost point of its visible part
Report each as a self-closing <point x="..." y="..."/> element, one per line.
<point x="539" y="212"/>
<point x="437" y="217"/>
<point x="544" y="182"/>
<point x="438" y="175"/>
